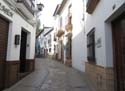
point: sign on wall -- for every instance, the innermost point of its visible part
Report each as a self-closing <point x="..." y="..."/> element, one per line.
<point x="6" y="10"/>
<point x="99" y="43"/>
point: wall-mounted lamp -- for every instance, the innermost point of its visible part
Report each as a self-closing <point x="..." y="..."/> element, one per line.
<point x="17" y="39"/>
<point x="40" y="6"/>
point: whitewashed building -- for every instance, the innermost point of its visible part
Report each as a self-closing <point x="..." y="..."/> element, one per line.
<point x="70" y="31"/>
<point x="63" y="16"/>
<point x="104" y="28"/>
<point x="97" y="40"/>
<point x="78" y="35"/>
<point x="17" y="40"/>
<point x="47" y="42"/>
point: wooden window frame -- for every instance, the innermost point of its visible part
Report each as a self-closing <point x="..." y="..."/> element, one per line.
<point x="91" y="5"/>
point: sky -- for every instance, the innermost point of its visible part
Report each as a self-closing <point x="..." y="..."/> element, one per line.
<point x="48" y="10"/>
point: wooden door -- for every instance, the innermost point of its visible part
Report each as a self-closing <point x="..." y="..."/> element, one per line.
<point x="118" y="26"/>
<point x="62" y="52"/>
<point x="23" y="52"/>
<point x="3" y="48"/>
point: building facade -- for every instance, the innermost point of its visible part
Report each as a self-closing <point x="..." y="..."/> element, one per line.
<point x="70" y="33"/>
<point x="58" y="33"/>
<point x="17" y="38"/>
<point x="104" y="28"/>
<point x="78" y="35"/>
<point x="97" y="40"/>
<point x="63" y="27"/>
<point x="47" y="42"/>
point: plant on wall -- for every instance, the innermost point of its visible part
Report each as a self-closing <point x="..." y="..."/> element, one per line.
<point x="38" y="30"/>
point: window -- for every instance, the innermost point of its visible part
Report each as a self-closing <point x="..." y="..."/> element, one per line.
<point x="49" y="40"/>
<point x="54" y="37"/>
<point x="54" y="47"/>
<point x="70" y="9"/>
<point x="49" y="49"/>
<point x="91" y="5"/>
<point x="91" y="45"/>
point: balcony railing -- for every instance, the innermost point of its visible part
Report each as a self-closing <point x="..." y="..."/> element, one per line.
<point x="91" y="5"/>
<point x="27" y="5"/>
<point x="68" y="27"/>
<point x="60" y="33"/>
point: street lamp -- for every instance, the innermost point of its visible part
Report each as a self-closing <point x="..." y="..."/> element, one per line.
<point x="40" y="6"/>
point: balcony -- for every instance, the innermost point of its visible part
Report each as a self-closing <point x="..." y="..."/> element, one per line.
<point x="91" y="5"/>
<point x="26" y="7"/>
<point x="60" y="33"/>
<point x="68" y="27"/>
<point x="69" y="35"/>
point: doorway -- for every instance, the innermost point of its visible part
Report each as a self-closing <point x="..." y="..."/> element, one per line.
<point x="4" y="26"/>
<point x="118" y="27"/>
<point x="62" y="52"/>
<point x="23" y="48"/>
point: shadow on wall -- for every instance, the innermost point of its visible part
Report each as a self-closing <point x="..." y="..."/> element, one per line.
<point x="79" y="47"/>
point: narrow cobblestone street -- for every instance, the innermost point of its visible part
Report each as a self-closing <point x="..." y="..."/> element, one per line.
<point x="51" y="75"/>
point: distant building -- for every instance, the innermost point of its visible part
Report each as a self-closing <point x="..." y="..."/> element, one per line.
<point x="17" y="40"/>
<point x="47" y="43"/>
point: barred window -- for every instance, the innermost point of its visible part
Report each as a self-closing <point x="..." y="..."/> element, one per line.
<point x="91" y="45"/>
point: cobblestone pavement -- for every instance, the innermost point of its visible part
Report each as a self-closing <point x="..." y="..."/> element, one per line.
<point x="51" y="75"/>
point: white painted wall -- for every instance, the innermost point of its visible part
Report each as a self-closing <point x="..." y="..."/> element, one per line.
<point x="78" y="38"/>
<point x="64" y="15"/>
<point x="104" y="54"/>
<point x="46" y="38"/>
<point x="53" y="42"/>
<point x="56" y="28"/>
<point x="16" y="23"/>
